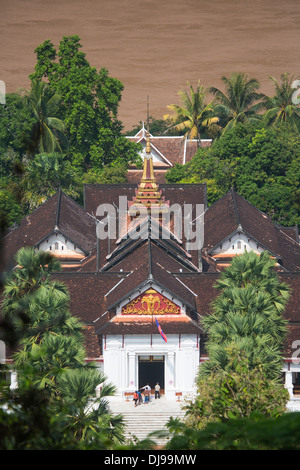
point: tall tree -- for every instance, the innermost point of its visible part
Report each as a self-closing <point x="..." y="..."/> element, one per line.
<point x="236" y="393"/>
<point x="281" y="107"/>
<point x="248" y="314"/>
<point x="45" y="174"/>
<point x="32" y="274"/>
<point x="51" y="353"/>
<point x="90" y="102"/>
<point x="195" y="115"/>
<point x="241" y="100"/>
<point x="44" y="106"/>
<point x="90" y="414"/>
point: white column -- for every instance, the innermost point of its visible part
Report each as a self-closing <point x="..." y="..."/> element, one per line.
<point x="289" y="383"/>
<point x="170" y="374"/>
<point x="14" y="381"/>
<point x="131" y="371"/>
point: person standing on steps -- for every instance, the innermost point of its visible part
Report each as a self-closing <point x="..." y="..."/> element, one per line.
<point x="146" y="387"/>
<point x="157" y="390"/>
<point x="140" y="397"/>
<point x="147" y="395"/>
<point x="147" y="390"/>
<point x="135" y="398"/>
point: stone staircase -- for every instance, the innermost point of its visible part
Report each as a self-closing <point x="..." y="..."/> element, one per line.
<point x="146" y="418"/>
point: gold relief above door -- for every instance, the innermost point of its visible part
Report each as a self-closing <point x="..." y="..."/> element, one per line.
<point x="150" y="302"/>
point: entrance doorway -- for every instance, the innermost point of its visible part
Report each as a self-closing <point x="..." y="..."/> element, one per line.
<point x="151" y="370"/>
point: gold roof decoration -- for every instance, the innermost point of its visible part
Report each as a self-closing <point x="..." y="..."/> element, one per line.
<point x="148" y="198"/>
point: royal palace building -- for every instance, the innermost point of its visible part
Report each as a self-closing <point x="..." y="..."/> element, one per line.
<point x="140" y="261"/>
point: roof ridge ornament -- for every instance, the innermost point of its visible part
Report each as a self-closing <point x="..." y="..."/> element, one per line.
<point x="148" y="198"/>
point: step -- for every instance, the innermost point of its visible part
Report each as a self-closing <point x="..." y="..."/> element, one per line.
<point x="144" y="419"/>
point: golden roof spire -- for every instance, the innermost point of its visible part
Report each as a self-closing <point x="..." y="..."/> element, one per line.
<point x="148" y="145"/>
<point x="148" y="171"/>
<point x="148" y="197"/>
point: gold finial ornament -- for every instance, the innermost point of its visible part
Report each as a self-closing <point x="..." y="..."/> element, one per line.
<point x="148" y="145"/>
<point x="148" y="198"/>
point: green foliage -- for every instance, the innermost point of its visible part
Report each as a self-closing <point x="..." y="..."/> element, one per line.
<point x="90" y="415"/>
<point x="156" y="127"/>
<point x="45" y="174"/>
<point x="262" y="164"/>
<point x="51" y="360"/>
<point x="195" y="115"/>
<point x="10" y="206"/>
<point x="254" y="433"/>
<point x="89" y="104"/>
<point x="16" y="122"/>
<point x="241" y="101"/>
<point x="31" y="420"/>
<point x="107" y="175"/>
<point x="235" y="393"/>
<point x="44" y="105"/>
<point x="280" y="107"/>
<point x="248" y="314"/>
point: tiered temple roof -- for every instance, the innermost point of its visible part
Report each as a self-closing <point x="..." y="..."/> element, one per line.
<point x="111" y="273"/>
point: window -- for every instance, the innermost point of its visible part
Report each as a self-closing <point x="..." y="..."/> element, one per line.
<point x="239" y="244"/>
<point x="159" y="358"/>
<point x="56" y="246"/>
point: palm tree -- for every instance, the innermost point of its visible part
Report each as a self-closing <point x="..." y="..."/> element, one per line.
<point x="90" y="414"/>
<point x="45" y="174"/>
<point x="240" y="101"/>
<point x="52" y="354"/>
<point x="44" y="105"/>
<point x="280" y="107"/>
<point x="32" y="273"/>
<point x="194" y="114"/>
<point x="248" y="314"/>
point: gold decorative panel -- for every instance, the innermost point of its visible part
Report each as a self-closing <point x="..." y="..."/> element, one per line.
<point x="150" y="303"/>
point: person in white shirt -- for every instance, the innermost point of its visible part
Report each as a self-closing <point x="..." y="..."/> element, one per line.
<point x="146" y="387"/>
<point x="157" y="390"/>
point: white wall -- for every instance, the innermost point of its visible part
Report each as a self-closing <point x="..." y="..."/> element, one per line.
<point x="57" y="242"/>
<point x="238" y="243"/>
<point x="120" y="356"/>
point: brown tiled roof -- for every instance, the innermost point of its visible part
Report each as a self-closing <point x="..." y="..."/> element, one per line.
<point x="74" y="222"/>
<point x="124" y="247"/>
<point x="173" y="148"/>
<point x="94" y="294"/>
<point x="292" y="313"/>
<point x="96" y="194"/>
<point x="32" y="228"/>
<point x="150" y="262"/>
<point x="233" y="212"/>
<point x="58" y="212"/>
<point x="88" y="292"/>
